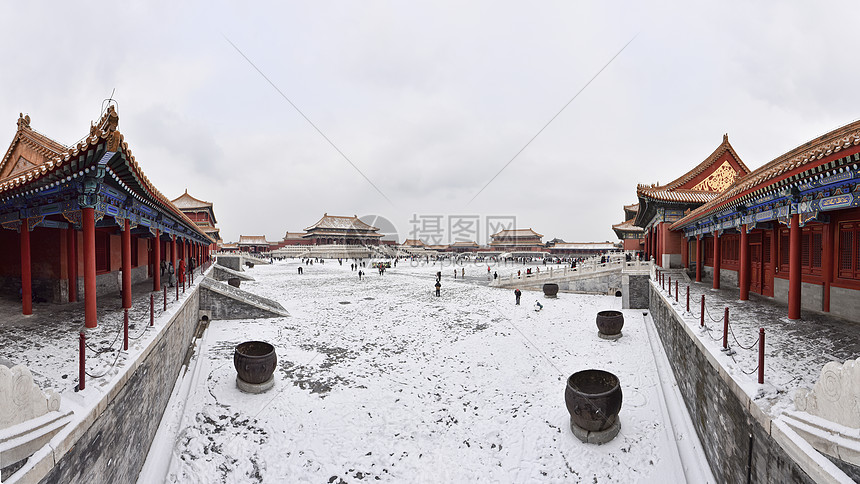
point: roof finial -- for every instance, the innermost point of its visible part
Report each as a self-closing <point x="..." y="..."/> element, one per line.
<point x="725" y="137"/>
<point x="23" y="121"/>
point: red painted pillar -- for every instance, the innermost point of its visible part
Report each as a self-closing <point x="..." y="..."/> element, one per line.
<point x="89" y="226"/>
<point x="72" y="265"/>
<point x="794" y="277"/>
<point x="744" y="269"/>
<point x="173" y="254"/>
<point x="827" y="263"/>
<point x="26" y="279"/>
<point x="156" y="254"/>
<point x="126" y="265"/>
<point x="699" y="259"/>
<point x="716" y="260"/>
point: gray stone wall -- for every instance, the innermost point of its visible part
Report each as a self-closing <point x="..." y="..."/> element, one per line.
<point x="728" y="278"/>
<point x="724" y="425"/>
<point x="635" y="291"/>
<point x="845" y="303"/>
<point x="115" y="446"/>
<point x="811" y="295"/>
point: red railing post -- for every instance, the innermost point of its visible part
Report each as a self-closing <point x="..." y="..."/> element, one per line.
<point x="761" y="356"/>
<point x="165" y="298"/>
<point x="151" y="309"/>
<point x="177" y="292"/>
<point x="125" y="330"/>
<point x="702" y="312"/>
<point x="688" y="299"/>
<point x="82" y="374"/>
<point x="676" y="290"/>
<point x="670" y="286"/>
<point x="726" y="329"/>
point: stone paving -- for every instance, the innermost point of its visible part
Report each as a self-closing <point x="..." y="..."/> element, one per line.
<point x="795" y="351"/>
<point x="47" y="341"/>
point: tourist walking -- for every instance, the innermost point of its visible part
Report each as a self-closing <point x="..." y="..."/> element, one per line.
<point x="300" y="270"/>
<point x="171" y="277"/>
<point x="438" y="288"/>
<point x="517" y="294"/>
<point x="360" y="273"/>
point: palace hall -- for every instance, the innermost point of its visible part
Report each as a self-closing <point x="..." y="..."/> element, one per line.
<point x="85" y="221"/>
<point x="789" y="230"/>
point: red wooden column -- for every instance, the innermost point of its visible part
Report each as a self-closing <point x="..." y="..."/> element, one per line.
<point x="827" y="263"/>
<point x="126" y="265"/>
<point x="173" y="255"/>
<point x="744" y="269"/>
<point x="794" y="268"/>
<point x="699" y="259"/>
<point x="89" y="226"/>
<point x="72" y="262"/>
<point x="156" y="254"/>
<point x="26" y="277"/>
<point x="716" y="260"/>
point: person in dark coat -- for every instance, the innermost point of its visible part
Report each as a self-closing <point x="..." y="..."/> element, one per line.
<point x="438" y="288"/>
<point x="517" y="294"/>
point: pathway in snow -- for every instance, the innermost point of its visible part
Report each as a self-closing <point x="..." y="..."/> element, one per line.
<point x="381" y="380"/>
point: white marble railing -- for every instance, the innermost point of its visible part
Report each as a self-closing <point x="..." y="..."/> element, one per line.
<point x="589" y="267"/>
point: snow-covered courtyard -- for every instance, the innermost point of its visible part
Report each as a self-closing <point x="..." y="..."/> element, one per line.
<point x="379" y="380"/>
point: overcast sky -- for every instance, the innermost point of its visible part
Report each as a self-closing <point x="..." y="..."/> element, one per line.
<point x="430" y="100"/>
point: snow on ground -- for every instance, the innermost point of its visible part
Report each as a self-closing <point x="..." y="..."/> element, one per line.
<point x="381" y="380"/>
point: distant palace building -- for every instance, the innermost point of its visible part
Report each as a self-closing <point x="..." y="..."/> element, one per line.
<point x="580" y="249"/>
<point x="253" y="243"/>
<point x="517" y="240"/>
<point x="332" y="229"/>
<point x="463" y="246"/>
<point x="200" y="212"/>
<point x="632" y="237"/>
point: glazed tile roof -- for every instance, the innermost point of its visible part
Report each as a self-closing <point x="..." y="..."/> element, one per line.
<point x="632" y="208"/>
<point x="294" y="235"/>
<point x="627" y="226"/>
<point x="464" y="244"/>
<point x="413" y="243"/>
<point x="339" y="222"/>
<point x="677" y="195"/>
<point x="186" y="201"/>
<point x="253" y="240"/>
<point x="807" y="155"/>
<point x="724" y="147"/>
<point x="58" y="156"/>
<point x="517" y="233"/>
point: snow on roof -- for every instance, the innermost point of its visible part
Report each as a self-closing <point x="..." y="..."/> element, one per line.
<point x="253" y="240"/>
<point x="464" y="244"/>
<point x="517" y="233"/>
<point x="340" y="222"/>
<point x="413" y="243"/>
<point x="186" y="201"/>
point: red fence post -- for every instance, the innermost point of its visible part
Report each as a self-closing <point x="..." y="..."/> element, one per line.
<point x="676" y="290"/>
<point x="151" y="309"/>
<point x="761" y="356"/>
<point x="726" y="329"/>
<point x="177" y="292"/>
<point x="670" y="286"/>
<point x="702" y="313"/>
<point x="688" y="299"/>
<point x="125" y="330"/>
<point x="165" y="298"/>
<point x="82" y="374"/>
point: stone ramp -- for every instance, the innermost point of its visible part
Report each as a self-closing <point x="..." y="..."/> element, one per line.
<point x="221" y="301"/>
<point x="221" y="273"/>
